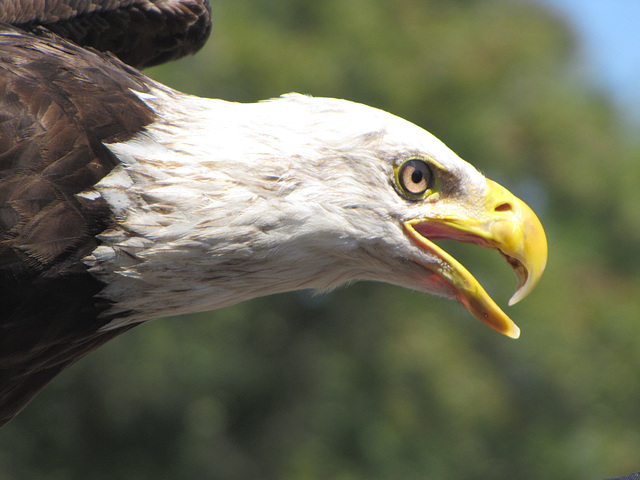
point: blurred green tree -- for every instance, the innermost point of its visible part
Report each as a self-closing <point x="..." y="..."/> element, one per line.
<point x="374" y="382"/>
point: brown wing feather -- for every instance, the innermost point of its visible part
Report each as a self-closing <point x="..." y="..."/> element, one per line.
<point x="58" y="104"/>
<point x="142" y="33"/>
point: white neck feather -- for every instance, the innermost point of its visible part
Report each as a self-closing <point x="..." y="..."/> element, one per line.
<point x="219" y="202"/>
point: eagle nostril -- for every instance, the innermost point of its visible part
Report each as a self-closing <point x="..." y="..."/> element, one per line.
<point x="504" y="207"/>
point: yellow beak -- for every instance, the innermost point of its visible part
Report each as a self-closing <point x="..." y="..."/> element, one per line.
<point x="506" y="224"/>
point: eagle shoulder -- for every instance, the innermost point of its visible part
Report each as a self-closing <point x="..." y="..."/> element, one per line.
<point x="59" y="105"/>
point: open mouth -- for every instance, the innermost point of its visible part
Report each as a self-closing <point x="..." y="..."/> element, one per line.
<point x="514" y="231"/>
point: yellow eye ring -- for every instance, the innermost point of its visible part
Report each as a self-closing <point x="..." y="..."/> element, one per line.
<point x="414" y="178"/>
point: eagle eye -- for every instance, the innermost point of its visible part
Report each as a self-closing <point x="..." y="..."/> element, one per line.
<point x="414" y="178"/>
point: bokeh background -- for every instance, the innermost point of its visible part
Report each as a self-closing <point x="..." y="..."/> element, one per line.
<point x="373" y="381"/>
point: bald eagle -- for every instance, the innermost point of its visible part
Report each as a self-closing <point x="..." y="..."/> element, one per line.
<point x="123" y="200"/>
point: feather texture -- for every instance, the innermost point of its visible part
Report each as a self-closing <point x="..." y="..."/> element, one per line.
<point x="219" y="202"/>
<point x="142" y="33"/>
<point x="58" y="104"/>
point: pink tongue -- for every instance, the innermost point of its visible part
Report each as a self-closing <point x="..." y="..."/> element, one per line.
<point x="434" y="230"/>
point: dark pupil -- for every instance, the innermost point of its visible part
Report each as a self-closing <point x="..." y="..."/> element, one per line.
<point x="416" y="176"/>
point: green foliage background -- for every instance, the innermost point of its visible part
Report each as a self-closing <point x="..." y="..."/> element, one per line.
<point x="375" y="382"/>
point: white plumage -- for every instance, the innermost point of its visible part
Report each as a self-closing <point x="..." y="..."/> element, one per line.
<point x="227" y="211"/>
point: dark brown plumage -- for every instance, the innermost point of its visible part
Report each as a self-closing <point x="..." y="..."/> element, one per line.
<point x="141" y="33"/>
<point x="58" y="104"/>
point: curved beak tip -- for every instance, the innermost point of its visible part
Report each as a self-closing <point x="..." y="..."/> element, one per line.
<point x="530" y="259"/>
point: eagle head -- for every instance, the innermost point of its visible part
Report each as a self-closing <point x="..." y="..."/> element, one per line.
<point x="301" y="192"/>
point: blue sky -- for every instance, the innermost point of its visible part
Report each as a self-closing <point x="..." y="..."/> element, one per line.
<point x="609" y="35"/>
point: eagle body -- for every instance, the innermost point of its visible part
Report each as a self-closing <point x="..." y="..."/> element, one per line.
<point x="122" y="200"/>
